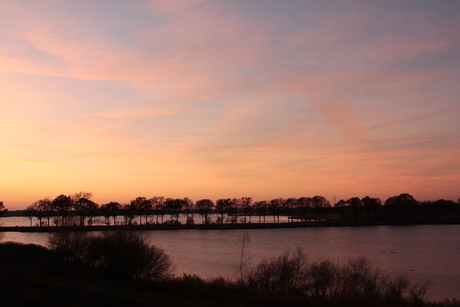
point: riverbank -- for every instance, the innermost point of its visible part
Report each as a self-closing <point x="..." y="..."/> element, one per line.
<point x="223" y="226"/>
<point x="34" y="275"/>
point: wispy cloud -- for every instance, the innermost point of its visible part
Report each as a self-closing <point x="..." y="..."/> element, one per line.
<point x="238" y="98"/>
<point x="132" y="114"/>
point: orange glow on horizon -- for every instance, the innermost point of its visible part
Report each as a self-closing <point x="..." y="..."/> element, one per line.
<point x="209" y="99"/>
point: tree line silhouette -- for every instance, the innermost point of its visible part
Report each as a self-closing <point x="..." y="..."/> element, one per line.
<point x="144" y="211"/>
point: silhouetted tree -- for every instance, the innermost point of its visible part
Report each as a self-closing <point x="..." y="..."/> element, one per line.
<point x="140" y="206"/>
<point x="355" y="205"/>
<point x="446" y="208"/>
<point x="46" y="206"/>
<point x="222" y="206"/>
<point x="233" y="209"/>
<point x="284" y="274"/>
<point x="30" y="213"/>
<point x="62" y="205"/>
<point x="146" y="208"/>
<point x="39" y="209"/>
<point x="340" y="206"/>
<point x="428" y="210"/>
<point x="246" y="208"/>
<point x="304" y="204"/>
<point x="260" y="207"/>
<point x="105" y="212"/>
<point x="204" y="207"/>
<point x="110" y="210"/>
<point x="290" y="205"/>
<point x="401" y="206"/>
<point x="320" y="204"/>
<point x="179" y="204"/>
<point x="371" y="206"/>
<point x="188" y="208"/>
<point x="130" y="211"/>
<point x="174" y="208"/>
<point x="158" y="207"/>
<point x="3" y="209"/>
<point x="93" y="211"/>
<point x="84" y="207"/>
<point x="276" y="206"/>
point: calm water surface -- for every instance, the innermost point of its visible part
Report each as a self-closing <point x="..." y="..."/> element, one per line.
<point x="419" y="252"/>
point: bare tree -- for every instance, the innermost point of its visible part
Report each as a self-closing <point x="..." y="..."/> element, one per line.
<point x="260" y="207"/>
<point x="140" y="206"/>
<point x="241" y="268"/>
<point x="110" y="210"/>
<point x="246" y="207"/>
<point x="130" y="211"/>
<point x="62" y="205"/>
<point x="321" y="205"/>
<point x="371" y="206"/>
<point x="290" y="205"/>
<point x="284" y="274"/>
<point x="233" y="209"/>
<point x="355" y="205"/>
<point x="188" y="207"/>
<point x="40" y="209"/>
<point x="275" y="206"/>
<point x="84" y="208"/>
<point x="3" y="209"/>
<point x="222" y="206"/>
<point x="204" y="207"/>
<point x="174" y="208"/>
<point x="304" y="204"/>
<point x="158" y="207"/>
<point x="340" y="206"/>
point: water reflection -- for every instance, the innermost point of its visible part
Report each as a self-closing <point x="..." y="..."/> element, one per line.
<point x="420" y="252"/>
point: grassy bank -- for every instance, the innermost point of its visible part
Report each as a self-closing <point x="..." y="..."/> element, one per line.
<point x="33" y="275"/>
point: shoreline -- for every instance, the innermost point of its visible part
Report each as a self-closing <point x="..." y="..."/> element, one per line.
<point x="221" y="226"/>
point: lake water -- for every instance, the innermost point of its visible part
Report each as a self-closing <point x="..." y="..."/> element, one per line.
<point x="419" y="252"/>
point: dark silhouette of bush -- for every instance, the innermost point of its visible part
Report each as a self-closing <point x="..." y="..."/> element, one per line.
<point x="3" y="210"/>
<point x="355" y="282"/>
<point x="286" y="273"/>
<point x="32" y="275"/>
<point x="122" y="254"/>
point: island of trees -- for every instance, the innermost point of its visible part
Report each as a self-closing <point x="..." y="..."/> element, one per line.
<point x="78" y="210"/>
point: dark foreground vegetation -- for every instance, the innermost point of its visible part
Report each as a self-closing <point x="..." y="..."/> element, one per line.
<point x="121" y="269"/>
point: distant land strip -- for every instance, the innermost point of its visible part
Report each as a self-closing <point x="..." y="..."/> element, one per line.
<point x="221" y="226"/>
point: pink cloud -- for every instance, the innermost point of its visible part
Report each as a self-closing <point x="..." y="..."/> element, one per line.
<point x="245" y="101"/>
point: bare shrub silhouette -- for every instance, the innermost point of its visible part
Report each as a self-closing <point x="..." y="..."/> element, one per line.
<point x="355" y="281"/>
<point x="286" y="273"/>
<point x="122" y="254"/>
<point x="242" y="266"/>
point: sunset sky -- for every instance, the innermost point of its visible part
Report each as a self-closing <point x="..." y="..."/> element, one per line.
<point x="229" y="98"/>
